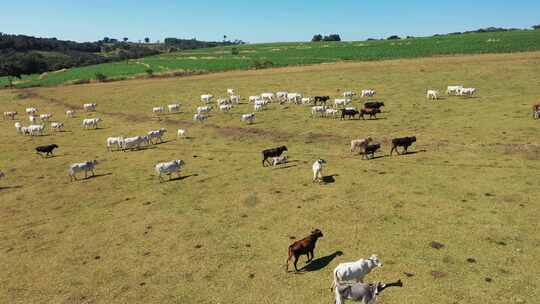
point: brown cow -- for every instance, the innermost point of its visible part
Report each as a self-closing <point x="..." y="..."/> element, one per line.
<point x="303" y="246"/>
<point x="371" y="112"/>
<point x="536" y="110"/>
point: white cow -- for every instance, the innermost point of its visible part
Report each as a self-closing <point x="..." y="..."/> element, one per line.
<point x="254" y="98"/>
<point x="45" y="117"/>
<point x="89" y="106"/>
<point x="91" y="122"/>
<point x="307" y="100"/>
<point x="248" y="118"/>
<point x="205" y="109"/>
<point x="453" y="90"/>
<point x="31" y="111"/>
<point x="157" y="134"/>
<point x="79" y="167"/>
<point x="115" y="141"/>
<point x="331" y="113"/>
<point x="18" y="126"/>
<point x="181" y="133"/>
<point x="35" y="130"/>
<point x="57" y="126"/>
<point x="368" y="93"/>
<point x="282" y="95"/>
<point x="467" y="92"/>
<point x="207" y="98"/>
<point x="225" y="108"/>
<point x="10" y="114"/>
<point x="200" y="117"/>
<point x="235" y="99"/>
<point x="349" y="94"/>
<point x="135" y="142"/>
<point x="223" y="101"/>
<point x="70" y="113"/>
<point x="361" y="144"/>
<point x="158" y="110"/>
<point x="354" y="272"/>
<point x="169" y="168"/>
<point x="317" y="170"/>
<point x="230" y="92"/>
<point x="294" y="97"/>
<point x="174" y="108"/>
<point x="279" y="160"/>
<point x="258" y="107"/>
<point x="268" y="96"/>
<point x="432" y="94"/>
<point x="341" y="102"/>
<point x="318" y="110"/>
<point x="33" y="118"/>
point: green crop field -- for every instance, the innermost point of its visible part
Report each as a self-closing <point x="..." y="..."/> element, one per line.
<point x="286" y="54"/>
<point x="220" y="233"/>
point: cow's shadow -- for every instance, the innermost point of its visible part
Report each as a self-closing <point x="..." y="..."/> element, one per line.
<point x="412" y="152"/>
<point x="322" y="262"/>
<point x="94" y="176"/>
<point x="181" y="177"/>
<point x="329" y="179"/>
<point x="11" y="187"/>
<point x="285" y="167"/>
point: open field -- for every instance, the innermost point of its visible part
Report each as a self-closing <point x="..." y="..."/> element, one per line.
<point x="220" y="234"/>
<point x="286" y="54"/>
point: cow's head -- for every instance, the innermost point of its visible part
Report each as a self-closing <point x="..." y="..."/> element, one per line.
<point x="413" y="139"/>
<point x="375" y="260"/>
<point x="54" y="146"/>
<point x="284" y="148"/>
<point x="317" y="233"/>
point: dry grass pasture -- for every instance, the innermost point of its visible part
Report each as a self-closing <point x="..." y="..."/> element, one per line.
<point x="220" y="234"/>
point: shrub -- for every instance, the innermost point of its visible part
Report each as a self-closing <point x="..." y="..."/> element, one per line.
<point x="235" y="51"/>
<point x="257" y="64"/>
<point x="100" y="77"/>
<point x="317" y="38"/>
<point x="393" y="37"/>
<point x="149" y="72"/>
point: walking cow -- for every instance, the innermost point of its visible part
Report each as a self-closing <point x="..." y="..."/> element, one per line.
<point x="273" y="152"/>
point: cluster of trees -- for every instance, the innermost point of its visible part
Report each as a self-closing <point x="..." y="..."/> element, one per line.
<point x="188" y="44"/>
<point x="331" y="37"/>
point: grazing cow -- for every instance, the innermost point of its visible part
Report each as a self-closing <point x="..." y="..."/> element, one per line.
<point x="31" y="111"/>
<point x="355" y="271"/>
<point x="361" y="292"/>
<point x="205" y="109"/>
<point x="225" y="108"/>
<point x="248" y="118"/>
<point x="349" y="94"/>
<point x="158" y="110"/>
<point x="91" y="122"/>
<point x="432" y="94"/>
<point x="89" y="106"/>
<point x="404" y="142"/>
<point x="230" y="92"/>
<point x="536" y="110"/>
<point x="33" y="118"/>
<point x="181" y="133"/>
<point x="368" y="93"/>
<point x="360" y="144"/>
<point x="349" y="113"/>
<point x="258" y="107"/>
<point x="320" y="110"/>
<point x="174" y="108"/>
<point x="35" y="130"/>
<point x="45" y="117"/>
<point x="157" y="134"/>
<point x="317" y="170"/>
<point x="307" y="100"/>
<point x="467" y="92"/>
<point x="131" y="143"/>
<point x="57" y="126"/>
<point x="371" y="112"/>
<point x="169" y="168"/>
<point x="79" y="167"/>
<point x="331" y="113"/>
<point x="305" y="246"/>
<point x="235" y="99"/>
<point x="282" y="95"/>
<point x="200" y="117"/>
<point x="272" y="152"/>
<point x="48" y="149"/>
<point x="254" y="98"/>
<point x="453" y="90"/>
<point x="268" y="96"/>
<point x="373" y="105"/>
<point x="371" y="149"/>
<point x="321" y="99"/>
<point x="10" y="114"/>
<point x="294" y="97"/>
<point x="115" y="141"/>
<point x="207" y="98"/>
<point x="341" y="102"/>
<point x="223" y="101"/>
<point x="279" y="160"/>
<point x="70" y="113"/>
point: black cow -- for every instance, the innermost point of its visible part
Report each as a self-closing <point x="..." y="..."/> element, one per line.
<point x="371" y="149"/>
<point x="371" y="112"/>
<point x="373" y="105"/>
<point x="48" y="149"/>
<point x="349" y="112"/>
<point x="321" y="99"/>
<point x="404" y="142"/>
<point x="274" y="152"/>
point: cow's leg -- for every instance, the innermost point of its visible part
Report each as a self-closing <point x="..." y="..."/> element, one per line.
<point x="295" y="261"/>
<point x="92" y="172"/>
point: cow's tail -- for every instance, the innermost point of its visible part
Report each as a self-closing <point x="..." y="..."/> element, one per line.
<point x="290" y="254"/>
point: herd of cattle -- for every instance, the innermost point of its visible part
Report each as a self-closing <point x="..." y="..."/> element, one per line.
<point x="347" y="277"/>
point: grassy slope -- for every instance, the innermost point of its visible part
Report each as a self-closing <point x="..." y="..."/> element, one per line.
<point x="241" y="216"/>
<point x="284" y="54"/>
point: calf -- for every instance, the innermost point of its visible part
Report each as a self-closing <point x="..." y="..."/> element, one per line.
<point x="70" y="113"/>
<point x="181" y="133"/>
<point x="305" y="246"/>
<point x="48" y="149"/>
<point x="248" y="118"/>
<point x="404" y="142"/>
<point x="371" y="112"/>
<point x="349" y="112"/>
<point x="200" y="117"/>
<point x="363" y="293"/>
<point x="360" y="143"/>
<point x="371" y="149"/>
<point x="432" y="94"/>
<point x="373" y="105"/>
<point x="279" y="160"/>
<point x="273" y="152"/>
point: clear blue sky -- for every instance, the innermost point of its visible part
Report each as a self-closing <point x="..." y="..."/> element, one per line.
<point x="256" y="20"/>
